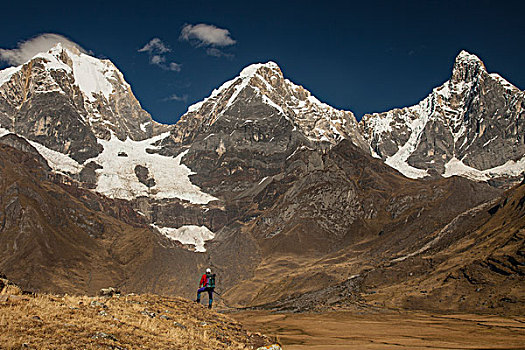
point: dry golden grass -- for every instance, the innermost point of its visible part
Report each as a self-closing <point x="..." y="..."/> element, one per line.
<point x="125" y="322"/>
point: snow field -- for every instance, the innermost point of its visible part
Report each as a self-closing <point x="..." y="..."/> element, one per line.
<point x="6" y="74"/>
<point x="189" y="234"/>
<point x="510" y="168"/>
<point x="117" y="178"/>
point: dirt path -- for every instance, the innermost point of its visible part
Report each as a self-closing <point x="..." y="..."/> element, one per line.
<point x="344" y="330"/>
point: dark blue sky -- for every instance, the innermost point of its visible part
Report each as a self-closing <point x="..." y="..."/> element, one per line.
<point x="365" y="56"/>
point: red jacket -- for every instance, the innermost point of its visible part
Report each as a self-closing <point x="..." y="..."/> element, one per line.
<point x="204" y="281"/>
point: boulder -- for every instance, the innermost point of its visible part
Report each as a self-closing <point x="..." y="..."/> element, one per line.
<point x="108" y="292"/>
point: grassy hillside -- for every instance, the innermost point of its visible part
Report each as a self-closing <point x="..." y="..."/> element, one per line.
<point x="47" y="321"/>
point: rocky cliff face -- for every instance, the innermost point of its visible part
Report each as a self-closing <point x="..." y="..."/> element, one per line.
<point x="473" y="125"/>
<point x="261" y="90"/>
<point x="67" y="100"/>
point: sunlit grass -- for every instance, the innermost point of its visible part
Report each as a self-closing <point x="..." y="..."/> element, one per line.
<point x="125" y="322"/>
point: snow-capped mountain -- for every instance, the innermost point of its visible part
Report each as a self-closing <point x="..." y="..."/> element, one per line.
<point x="473" y="125"/>
<point x="261" y="176"/>
<point x="261" y="90"/>
<point x="250" y="126"/>
<point x="82" y="116"/>
<point x="67" y="100"/>
<point x="242" y="135"/>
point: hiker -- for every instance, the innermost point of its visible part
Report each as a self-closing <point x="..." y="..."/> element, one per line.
<point x="207" y="284"/>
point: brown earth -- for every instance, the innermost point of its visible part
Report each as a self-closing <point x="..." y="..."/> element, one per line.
<point x="350" y="216"/>
<point x="473" y="264"/>
<point x="394" y="330"/>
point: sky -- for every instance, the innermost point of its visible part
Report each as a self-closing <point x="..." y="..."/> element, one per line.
<point x="366" y="56"/>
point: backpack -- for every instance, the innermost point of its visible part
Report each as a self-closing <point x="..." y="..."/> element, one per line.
<point x="211" y="280"/>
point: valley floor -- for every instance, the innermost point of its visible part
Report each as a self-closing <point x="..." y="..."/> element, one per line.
<point x="404" y="330"/>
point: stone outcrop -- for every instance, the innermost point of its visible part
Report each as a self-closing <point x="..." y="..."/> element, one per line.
<point x="9" y="288"/>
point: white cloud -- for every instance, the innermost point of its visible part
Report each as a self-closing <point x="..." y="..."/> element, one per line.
<point x="157" y="50"/>
<point x="157" y="59"/>
<point x="28" y="49"/>
<point x="212" y="51"/>
<point x="155" y="45"/>
<point x="174" y="67"/>
<point x="206" y="35"/>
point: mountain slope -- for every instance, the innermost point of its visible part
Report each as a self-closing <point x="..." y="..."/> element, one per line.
<point x="129" y="321"/>
<point x="473" y="125"/>
<point x="476" y="263"/>
<point x="58" y="237"/>
<point x="329" y="216"/>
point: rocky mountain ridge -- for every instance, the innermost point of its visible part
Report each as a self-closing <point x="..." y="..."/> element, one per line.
<point x="266" y="84"/>
<point x="91" y="92"/>
<point x="456" y="130"/>
<point x="473" y="125"/>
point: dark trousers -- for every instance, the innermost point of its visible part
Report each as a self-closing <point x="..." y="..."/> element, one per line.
<point x="210" y="294"/>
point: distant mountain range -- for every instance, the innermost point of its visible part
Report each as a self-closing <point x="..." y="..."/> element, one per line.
<point x="283" y="195"/>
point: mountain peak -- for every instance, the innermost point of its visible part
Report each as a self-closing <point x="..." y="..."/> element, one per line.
<point x="467" y="66"/>
<point x="268" y="72"/>
<point x="448" y="132"/>
<point x="253" y="69"/>
<point x="60" y="47"/>
<point x="264" y="71"/>
<point x="467" y="56"/>
<point x="93" y="76"/>
<point x="66" y="83"/>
